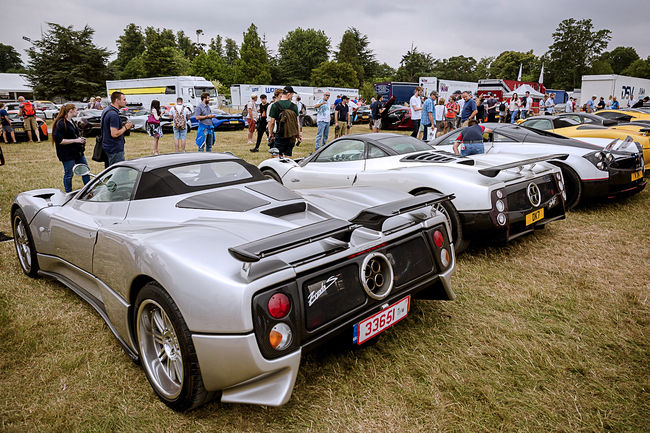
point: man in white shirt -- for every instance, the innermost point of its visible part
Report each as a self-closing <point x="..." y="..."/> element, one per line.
<point x="632" y="101"/>
<point x="527" y="110"/>
<point x="251" y="117"/>
<point x="569" y="106"/>
<point x="416" y="110"/>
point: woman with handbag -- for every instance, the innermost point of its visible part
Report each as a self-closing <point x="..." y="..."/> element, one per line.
<point x="69" y="145"/>
<point x="153" y="125"/>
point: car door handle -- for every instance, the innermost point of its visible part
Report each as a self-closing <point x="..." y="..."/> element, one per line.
<point x="295" y="180"/>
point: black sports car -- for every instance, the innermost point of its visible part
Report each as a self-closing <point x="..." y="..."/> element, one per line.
<point x="19" y="128"/>
<point x="88" y="122"/>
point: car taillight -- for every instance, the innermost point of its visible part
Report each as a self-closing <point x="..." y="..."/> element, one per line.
<point x="438" y="238"/>
<point x="279" y="305"/>
<point x="444" y="258"/>
<point x="280" y="336"/>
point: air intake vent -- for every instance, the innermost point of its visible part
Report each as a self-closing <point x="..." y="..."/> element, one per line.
<point x="433" y="157"/>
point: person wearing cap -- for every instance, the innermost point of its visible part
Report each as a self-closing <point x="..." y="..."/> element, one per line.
<point x="251" y="117"/>
<point x="284" y="145"/>
<point x="342" y="111"/>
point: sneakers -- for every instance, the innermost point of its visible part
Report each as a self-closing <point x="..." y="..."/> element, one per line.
<point x="255" y="149"/>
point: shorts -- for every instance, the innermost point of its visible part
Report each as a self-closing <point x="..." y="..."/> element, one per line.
<point x="251" y="125"/>
<point x="180" y="134"/>
<point x="376" y="123"/>
<point x="30" y="123"/>
<point x="7" y="128"/>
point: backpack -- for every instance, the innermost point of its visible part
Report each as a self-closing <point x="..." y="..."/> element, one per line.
<point x="244" y="112"/>
<point x="179" y="119"/>
<point x="303" y="110"/>
<point x="523" y="101"/>
<point x="288" y="121"/>
<point x="502" y="106"/>
<point x="28" y="109"/>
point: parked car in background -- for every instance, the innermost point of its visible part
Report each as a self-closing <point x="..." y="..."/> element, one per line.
<point x="217" y="280"/>
<point x="19" y="127"/>
<point x="14" y="107"/>
<point x="361" y="115"/>
<point x="397" y="117"/>
<point x="48" y="108"/>
<point x="491" y="192"/>
<point x="224" y="121"/>
<point x="626" y="115"/>
<point x="88" y="122"/>
<point x="568" y="126"/>
<point x="80" y="105"/>
<point x="590" y="172"/>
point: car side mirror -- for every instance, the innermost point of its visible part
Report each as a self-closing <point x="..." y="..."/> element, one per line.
<point x="82" y="170"/>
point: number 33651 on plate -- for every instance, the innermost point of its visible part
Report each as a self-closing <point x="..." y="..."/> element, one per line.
<point x="379" y="322"/>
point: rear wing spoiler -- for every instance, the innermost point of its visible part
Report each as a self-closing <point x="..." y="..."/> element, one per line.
<point x="493" y="171"/>
<point x="372" y="218"/>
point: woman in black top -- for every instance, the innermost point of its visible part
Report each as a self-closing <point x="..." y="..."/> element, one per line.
<point x="69" y="146"/>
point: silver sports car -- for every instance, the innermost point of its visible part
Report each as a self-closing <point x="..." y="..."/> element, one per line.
<point x="217" y="279"/>
<point x="496" y="196"/>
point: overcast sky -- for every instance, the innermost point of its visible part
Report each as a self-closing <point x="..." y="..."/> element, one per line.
<point x="443" y="28"/>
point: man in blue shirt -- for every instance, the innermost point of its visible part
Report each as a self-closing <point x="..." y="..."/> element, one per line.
<point x="428" y="114"/>
<point x="113" y="130"/>
<point x="322" y="120"/>
<point x="376" y="109"/>
<point x="469" y="109"/>
<point x="591" y="104"/>
<point x="205" y="132"/>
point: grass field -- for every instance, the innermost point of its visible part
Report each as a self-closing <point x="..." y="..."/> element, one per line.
<point x="548" y="334"/>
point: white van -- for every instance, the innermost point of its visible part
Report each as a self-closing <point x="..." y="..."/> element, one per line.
<point x="164" y="89"/>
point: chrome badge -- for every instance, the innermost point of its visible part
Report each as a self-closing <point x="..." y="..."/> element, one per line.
<point x="534" y="195"/>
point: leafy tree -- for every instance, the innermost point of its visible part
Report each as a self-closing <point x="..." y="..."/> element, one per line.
<point x="232" y="52"/>
<point x="506" y="66"/>
<point x="456" y="68"/>
<point x="10" y="59"/>
<point x="482" y="69"/>
<point x="299" y="52"/>
<point x="129" y="45"/>
<point x="66" y="63"/>
<point x="185" y="44"/>
<point x="620" y="58"/>
<point x="575" y="47"/>
<point x="161" y="57"/>
<point x="216" y="45"/>
<point x="133" y="69"/>
<point x="639" y="68"/>
<point x="213" y="67"/>
<point x="414" y="65"/>
<point x="354" y="49"/>
<point x="334" y="74"/>
<point x="253" y="65"/>
<point x="601" y="66"/>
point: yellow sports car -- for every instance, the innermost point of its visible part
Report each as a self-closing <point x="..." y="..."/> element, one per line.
<point x="593" y="133"/>
<point x="629" y="115"/>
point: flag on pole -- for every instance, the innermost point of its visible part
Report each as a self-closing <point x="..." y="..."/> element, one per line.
<point x="541" y="75"/>
<point x="519" y="76"/>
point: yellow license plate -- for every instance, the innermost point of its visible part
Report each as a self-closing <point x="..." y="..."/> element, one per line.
<point x="233" y="121"/>
<point x="18" y="129"/>
<point x="637" y="175"/>
<point x="534" y="216"/>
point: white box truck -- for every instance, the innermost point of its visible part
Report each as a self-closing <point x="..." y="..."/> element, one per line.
<point x="613" y="85"/>
<point x="164" y="89"/>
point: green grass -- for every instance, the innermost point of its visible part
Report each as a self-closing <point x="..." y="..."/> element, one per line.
<point x="548" y="334"/>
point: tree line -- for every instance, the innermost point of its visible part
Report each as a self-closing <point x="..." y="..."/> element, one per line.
<point x="66" y="63"/>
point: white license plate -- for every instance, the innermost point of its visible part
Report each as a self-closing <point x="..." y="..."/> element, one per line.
<point x="379" y="322"/>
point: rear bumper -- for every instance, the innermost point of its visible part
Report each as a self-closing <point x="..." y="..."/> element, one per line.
<point x="613" y="187"/>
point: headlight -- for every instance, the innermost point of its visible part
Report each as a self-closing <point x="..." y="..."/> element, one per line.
<point x="500" y="206"/>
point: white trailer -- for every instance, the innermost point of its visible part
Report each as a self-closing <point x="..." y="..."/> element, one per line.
<point x="164" y="89"/>
<point x="241" y="93"/>
<point x="614" y="85"/>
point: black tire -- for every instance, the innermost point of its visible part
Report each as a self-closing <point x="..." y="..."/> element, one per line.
<point x="449" y="210"/>
<point x="172" y="368"/>
<point x="24" y="243"/>
<point x="572" y="185"/>
<point x="271" y="174"/>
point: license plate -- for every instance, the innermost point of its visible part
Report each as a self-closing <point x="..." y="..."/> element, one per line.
<point x="637" y="175"/>
<point x="19" y="129"/>
<point x="379" y="322"/>
<point x="534" y="216"/>
<point x="233" y="121"/>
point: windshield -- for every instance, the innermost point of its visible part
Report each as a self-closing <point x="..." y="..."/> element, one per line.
<point x="90" y="113"/>
<point x="210" y="90"/>
<point x="404" y="144"/>
<point x="542" y="132"/>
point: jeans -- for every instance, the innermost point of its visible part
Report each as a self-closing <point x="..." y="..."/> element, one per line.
<point x="180" y="134"/>
<point x="68" y="164"/>
<point x="322" y="133"/>
<point x="208" y="143"/>
<point x="471" y="149"/>
<point x="114" y="158"/>
<point x="513" y="116"/>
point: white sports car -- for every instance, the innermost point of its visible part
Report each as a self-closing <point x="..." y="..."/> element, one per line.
<point x="496" y="196"/>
